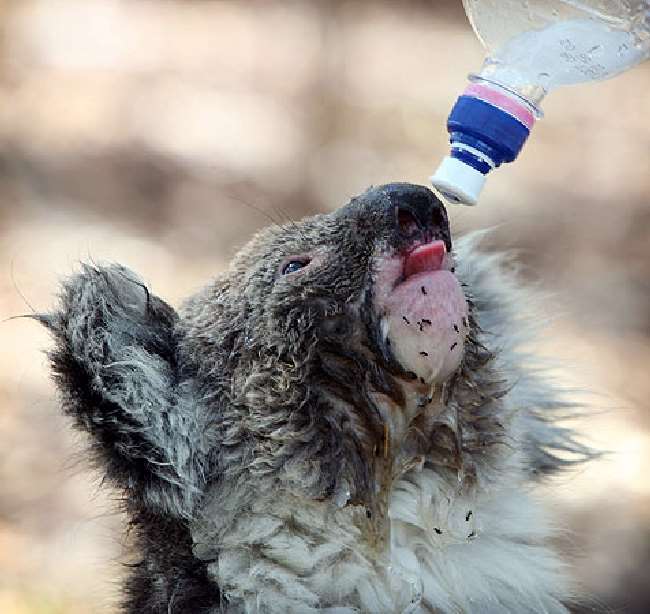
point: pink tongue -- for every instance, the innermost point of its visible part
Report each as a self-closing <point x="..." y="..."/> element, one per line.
<point x="425" y="258"/>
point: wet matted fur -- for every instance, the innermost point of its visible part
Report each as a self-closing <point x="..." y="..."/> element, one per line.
<point x="276" y="456"/>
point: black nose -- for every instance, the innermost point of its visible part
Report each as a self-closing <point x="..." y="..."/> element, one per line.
<point x="417" y="213"/>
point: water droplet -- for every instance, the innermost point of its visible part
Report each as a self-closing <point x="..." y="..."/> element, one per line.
<point x="343" y="495"/>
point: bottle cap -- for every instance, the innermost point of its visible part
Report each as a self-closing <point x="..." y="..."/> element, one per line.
<point x="487" y="126"/>
<point x="458" y="182"/>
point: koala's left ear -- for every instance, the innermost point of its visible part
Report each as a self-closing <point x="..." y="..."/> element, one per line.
<point x="114" y="362"/>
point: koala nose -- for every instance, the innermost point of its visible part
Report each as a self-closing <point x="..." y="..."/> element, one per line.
<point x="418" y="213"/>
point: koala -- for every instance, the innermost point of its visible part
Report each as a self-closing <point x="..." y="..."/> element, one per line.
<point x="346" y="420"/>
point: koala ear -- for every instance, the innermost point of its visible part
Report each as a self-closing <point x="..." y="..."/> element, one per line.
<point x="115" y="365"/>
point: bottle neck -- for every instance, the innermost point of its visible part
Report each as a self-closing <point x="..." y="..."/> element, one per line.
<point x="526" y="97"/>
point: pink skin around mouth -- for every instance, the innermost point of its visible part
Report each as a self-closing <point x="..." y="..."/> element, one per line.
<point x="424" y="311"/>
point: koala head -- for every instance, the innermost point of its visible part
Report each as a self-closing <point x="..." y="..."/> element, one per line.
<point x="327" y="338"/>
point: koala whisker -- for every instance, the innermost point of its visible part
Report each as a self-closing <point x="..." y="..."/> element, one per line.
<point x="17" y="289"/>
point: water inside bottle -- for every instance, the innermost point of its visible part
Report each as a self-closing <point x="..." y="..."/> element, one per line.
<point x="563" y="53"/>
<point x="536" y="46"/>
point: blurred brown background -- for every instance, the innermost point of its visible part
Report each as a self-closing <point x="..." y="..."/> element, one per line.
<point x="163" y="133"/>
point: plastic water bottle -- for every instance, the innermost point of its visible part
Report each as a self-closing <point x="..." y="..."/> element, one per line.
<point x="533" y="47"/>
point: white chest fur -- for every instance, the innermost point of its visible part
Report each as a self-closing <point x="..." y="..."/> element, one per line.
<point x="482" y="553"/>
<point x="446" y="553"/>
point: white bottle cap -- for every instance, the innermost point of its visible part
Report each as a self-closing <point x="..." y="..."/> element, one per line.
<point x="458" y="182"/>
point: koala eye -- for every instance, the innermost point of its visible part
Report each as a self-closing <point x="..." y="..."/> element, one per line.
<point x="293" y="265"/>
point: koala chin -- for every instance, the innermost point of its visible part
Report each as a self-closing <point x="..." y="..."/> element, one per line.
<point x="343" y="421"/>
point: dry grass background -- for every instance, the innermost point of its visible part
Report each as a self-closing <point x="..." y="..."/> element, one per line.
<point x="163" y="133"/>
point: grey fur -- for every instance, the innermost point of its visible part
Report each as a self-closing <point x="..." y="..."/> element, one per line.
<point x="121" y="339"/>
<point x="245" y="431"/>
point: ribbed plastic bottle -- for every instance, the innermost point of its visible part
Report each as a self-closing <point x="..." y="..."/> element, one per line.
<point x="533" y="47"/>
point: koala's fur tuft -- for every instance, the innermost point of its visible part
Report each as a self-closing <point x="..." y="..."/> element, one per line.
<point x="302" y="438"/>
